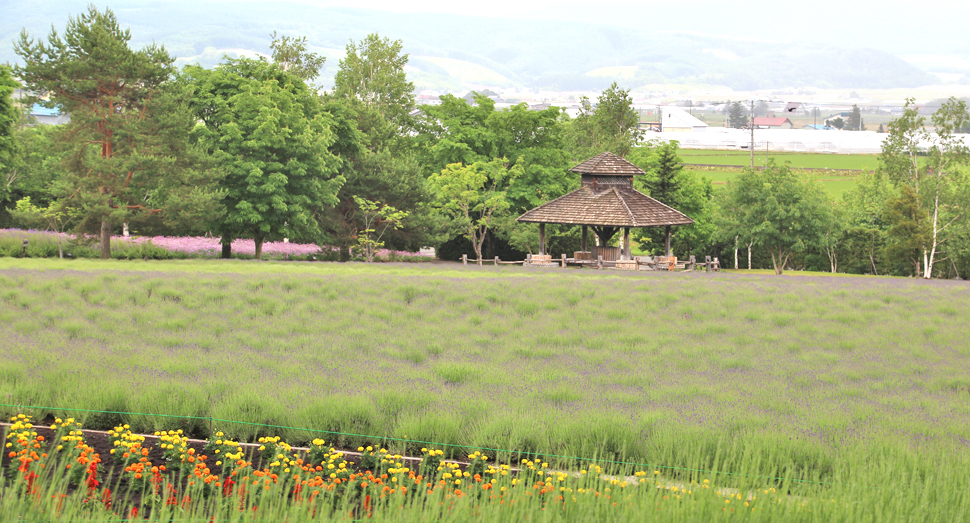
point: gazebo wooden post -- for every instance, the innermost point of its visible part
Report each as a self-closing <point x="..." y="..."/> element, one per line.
<point x="542" y="238"/>
<point x="626" y="244"/>
<point x="585" y="248"/>
<point x="667" y="241"/>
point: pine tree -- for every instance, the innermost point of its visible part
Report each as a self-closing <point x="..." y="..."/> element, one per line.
<point x="127" y="131"/>
<point x="664" y="181"/>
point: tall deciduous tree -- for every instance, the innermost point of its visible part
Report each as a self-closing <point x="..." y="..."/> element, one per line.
<point x="127" y="130"/>
<point x="783" y="211"/>
<point x="474" y="197"/>
<point x="612" y="125"/>
<point x="458" y="132"/>
<point x="933" y="166"/>
<point x="372" y="74"/>
<point x="291" y="55"/>
<point x="268" y="131"/>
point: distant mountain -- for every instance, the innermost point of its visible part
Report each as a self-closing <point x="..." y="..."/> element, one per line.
<point x="455" y="52"/>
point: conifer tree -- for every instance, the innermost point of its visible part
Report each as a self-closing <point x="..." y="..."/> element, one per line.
<point x="127" y="131"/>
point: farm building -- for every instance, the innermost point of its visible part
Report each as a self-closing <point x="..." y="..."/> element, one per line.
<point x="677" y="120"/>
<point x="795" y="140"/>
<point x="771" y="122"/>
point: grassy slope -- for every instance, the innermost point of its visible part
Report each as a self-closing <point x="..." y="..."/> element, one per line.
<point x="845" y="380"/>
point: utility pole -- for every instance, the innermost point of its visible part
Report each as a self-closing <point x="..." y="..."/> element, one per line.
<point x="752" y="134"/>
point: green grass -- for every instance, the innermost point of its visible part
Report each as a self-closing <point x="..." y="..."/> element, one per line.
<point x="798" y="160"/>
<point x="853" y="385"/>
<point x="834" y="185"/>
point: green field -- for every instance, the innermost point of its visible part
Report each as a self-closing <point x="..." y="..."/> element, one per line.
<point x="866" y="162"/>
<point x="854" y="388"/>
<point x="834" y="185"/>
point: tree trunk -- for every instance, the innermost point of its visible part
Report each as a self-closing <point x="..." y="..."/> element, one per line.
<point x="749" y="256"/>
<point x="667" y="242"/>
<point x="259" y="246"/>
<point x="778" y="260"/>
<point x="226" y="246"/>
<point x="105" y="239"/>
<point x="735" y="253"/>
<point x="936" y="235"/>
<point x="60" y="247"/>
<point x="478" y="250"/>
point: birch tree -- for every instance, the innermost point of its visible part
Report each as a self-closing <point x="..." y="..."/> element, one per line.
<point x="932" y="166"/>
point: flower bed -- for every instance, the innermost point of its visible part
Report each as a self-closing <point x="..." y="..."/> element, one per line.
<point x="57" y="471"/>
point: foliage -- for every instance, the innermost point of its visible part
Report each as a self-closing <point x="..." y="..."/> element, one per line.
<point x="128" y="128"/>
<point x="783" y="211"/>
<point x="372" y="76"/>
<point x="268" y="131"/>
<point x="612" y="125"/>
<point x="854" y="122"/>
<point x="291" y="55"/>
<point x="373" y="216"/>
<point x="458" y="132"/>
<point x="52" y="217"/>
<point x="474" y="198"/>
<point x="667" y="182"/>
<point x="9" y="153"/>
<point x="937" y="197"/>
<point x="737" y="115"/>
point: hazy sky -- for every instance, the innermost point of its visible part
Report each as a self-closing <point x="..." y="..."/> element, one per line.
<point x="900" y="26"/>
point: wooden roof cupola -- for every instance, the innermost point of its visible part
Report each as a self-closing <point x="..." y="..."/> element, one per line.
<point x="607" y="170"/>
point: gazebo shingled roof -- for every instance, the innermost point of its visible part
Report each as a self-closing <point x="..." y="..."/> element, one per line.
<point x="606" y="198"/>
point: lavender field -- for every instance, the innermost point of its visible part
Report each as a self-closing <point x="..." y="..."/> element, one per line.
<point x="848" y="381"/>
<point x="44" y="244"/>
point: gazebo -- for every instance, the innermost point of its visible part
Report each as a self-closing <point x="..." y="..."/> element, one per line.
<point x="606" y="201"/>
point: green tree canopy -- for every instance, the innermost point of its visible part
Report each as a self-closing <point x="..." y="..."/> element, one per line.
<point x="854" y="121"/>
<point x="474" y="198"/>
<point x="667" y="182"/>
<point x="612" y="126"/>
<point x="372" y="75"/>
<point x="9" y="150"/>
<point x="271" y="135"/>
<point x="292" y="56"/>
<point x="934" y="168"/>
<point x="783" y="211"/>
<point x="737" y="116"/>
<point x="459" y="132"/>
